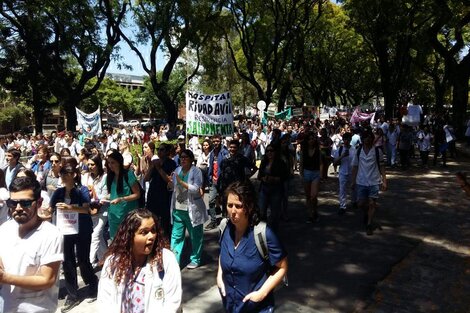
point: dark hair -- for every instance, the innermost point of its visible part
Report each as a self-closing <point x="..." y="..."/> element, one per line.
<point x="121" y="248"/>
<point x="65" y="150"/>
<point x="27" y="172"/>
<point x="209" y="142"/>
<point x="247" y="195"/>
<point x="86" y="152"/>
<point x="44" y="149"/>
<point x="57" y="155"/>
<point x="71" y="162"/>
<point x="189" y="153"/>
<point x="347" y="136"/>
<point x="165" y="146"/>
<point x="15" y="153"/>
<point x="26" y="183"/>
<point x="116" y="156"/>
<point x="151" y="145"/>
<point x="96" y="158"/>
<point x="234" y="142"/>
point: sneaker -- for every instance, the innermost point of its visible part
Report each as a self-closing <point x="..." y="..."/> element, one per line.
<point x="211" y="225"/>
<point x="369" y="230"/>
<point x="70" y="303"/>
<point x="192" y="266"/>
<point x="341" y="211"/>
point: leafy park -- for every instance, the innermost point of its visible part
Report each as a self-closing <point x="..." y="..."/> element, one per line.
<point x="288" y="52"/>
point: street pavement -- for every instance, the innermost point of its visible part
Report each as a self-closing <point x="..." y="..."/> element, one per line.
<point x="418" y="261"/>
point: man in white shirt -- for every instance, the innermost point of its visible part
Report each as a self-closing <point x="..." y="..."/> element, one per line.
<point x="343" y="157"/>
<point x="72" y="144"/>
<point x="30" y="253"/>
<point x="368" y="175"/>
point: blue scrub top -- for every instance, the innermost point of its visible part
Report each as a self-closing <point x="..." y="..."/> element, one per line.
<point x="244" y="270"/>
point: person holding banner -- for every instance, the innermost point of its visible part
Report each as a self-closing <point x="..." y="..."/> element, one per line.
<point x="71" y="204"/>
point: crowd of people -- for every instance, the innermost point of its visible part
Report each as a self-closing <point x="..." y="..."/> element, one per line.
<point x="128" y="213"/>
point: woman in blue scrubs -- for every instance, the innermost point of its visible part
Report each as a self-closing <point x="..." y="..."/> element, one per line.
<point x="246" y="281"/>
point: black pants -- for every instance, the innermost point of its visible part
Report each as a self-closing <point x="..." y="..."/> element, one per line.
<point x="80" y="242"/>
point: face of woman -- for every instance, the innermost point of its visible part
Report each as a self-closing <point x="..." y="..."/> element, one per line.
<point x="205" y="146"/>
<point x="186" y="161"/>
<point x="113" y="165"/>
<point x="236" y="211"/>
<point x="92" y="167"/>
<point x="146" y="149"/>
<point x="55" y="163"/>
<point x="67" y="178"/>
<point x="144" y="238"/>
<point x="270" y="152"/>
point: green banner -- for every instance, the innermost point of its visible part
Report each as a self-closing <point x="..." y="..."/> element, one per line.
<point x="284" y="115"/>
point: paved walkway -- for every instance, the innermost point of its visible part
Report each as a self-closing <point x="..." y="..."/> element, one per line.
<point x="418" y="262"/>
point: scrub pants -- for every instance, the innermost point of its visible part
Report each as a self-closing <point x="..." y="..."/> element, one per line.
<point x="181" y="222"/>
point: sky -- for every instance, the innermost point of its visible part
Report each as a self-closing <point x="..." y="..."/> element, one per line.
<point x="130" y="58"/>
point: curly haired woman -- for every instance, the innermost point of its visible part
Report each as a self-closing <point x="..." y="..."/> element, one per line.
<point x="140" y="273"/>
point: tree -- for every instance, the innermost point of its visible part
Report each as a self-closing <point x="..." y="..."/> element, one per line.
<point x="449" y="34"/>
<point x="112" y="96"/>
<point x="337" y="64"/>
<point x="265" y="41"/>
<point x="389" y="27"/>
<point x="66" y="44"/>
<point x="174" y="26"/>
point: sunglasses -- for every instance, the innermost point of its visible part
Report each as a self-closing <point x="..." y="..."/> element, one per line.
<point x="55" y="161"/>
<point x="25" y="204"/>
<point x="269" y="150"/>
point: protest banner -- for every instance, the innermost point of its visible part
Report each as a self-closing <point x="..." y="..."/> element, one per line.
<point x="208" y="115"/>
<point x="297" y="112"/>
<point x="93" y="120"/>
<point x="284" y="115"/>
<point x="67" y="222"/>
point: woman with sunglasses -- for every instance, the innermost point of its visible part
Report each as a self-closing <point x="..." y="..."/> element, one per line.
<point x="189" y="209"/>
<point x="272" y="174"/>
<point x="95" y="180"/>
<point x="51" y="178"/>
<point x="124" y="191"/>
<point x="140" y="273"/>
<point x="71" y="204"/>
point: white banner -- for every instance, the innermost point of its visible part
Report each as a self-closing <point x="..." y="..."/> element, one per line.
<point x="92" y="120"/>
<point x="67" y="222"/>
<point x="209" y="115"/>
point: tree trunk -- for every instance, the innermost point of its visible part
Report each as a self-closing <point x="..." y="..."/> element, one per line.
<point x="71" y="114"/>
<point x="38" y="109"/>
<point x="440" y="90"/>
<point x="460" y="103"/>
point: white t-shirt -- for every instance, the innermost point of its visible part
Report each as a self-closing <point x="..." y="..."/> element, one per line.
<point x="368" y="172"/>
<point x="24" y="256"/>
<point x="345" y="166"/>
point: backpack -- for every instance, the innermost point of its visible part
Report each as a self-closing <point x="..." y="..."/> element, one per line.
<point x="259" y="233"/>
<point x="377" y="157"/>
<point x="142" y="192"/>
